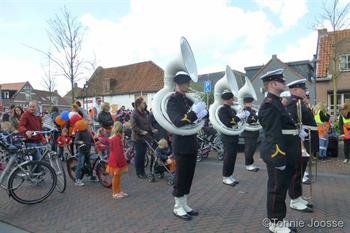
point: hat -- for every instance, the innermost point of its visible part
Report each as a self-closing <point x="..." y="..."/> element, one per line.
<point x="276" y="75"/>
<point x="297" y="84"/>
<point x="181" y="78"/>
<point x="226" y="95"/>
<point x="248" y="99"/>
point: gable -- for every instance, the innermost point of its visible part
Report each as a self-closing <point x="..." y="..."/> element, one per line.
<point x="324" y="49"/>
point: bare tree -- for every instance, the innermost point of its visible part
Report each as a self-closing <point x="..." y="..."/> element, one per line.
<point x="48" y="81"/>
<point x="335" y="14"/>
<point x="66" y="35"/>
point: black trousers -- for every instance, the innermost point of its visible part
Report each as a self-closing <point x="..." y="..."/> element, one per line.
<point x="277" y="185"/>
<point x="296" y="164"/>
<point x="185" y="167"/>
<point x="347" y="148"/>
<point x="249" y="149"/>
<point x="230" y="155"/>
<point x="140" y="153"/>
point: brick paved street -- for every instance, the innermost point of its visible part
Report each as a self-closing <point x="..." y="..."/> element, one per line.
<point x="149" y="206"/>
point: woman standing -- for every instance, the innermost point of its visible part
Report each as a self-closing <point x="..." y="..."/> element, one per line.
<point x="105" y="118"/>
<point x="141" y="128"/>
<point x="14" y="118"/>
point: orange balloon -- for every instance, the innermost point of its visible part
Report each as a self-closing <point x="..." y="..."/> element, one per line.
<point x="81" y="125"/>
<point x="59" y="121"/>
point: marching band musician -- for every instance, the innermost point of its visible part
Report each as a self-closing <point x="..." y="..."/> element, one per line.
<point x="280" y="139"/>
<point x="298" y="93"/>
<point x="250" y="137"/>
<point x="229" y="118"/>
<point x="182" y="111"/>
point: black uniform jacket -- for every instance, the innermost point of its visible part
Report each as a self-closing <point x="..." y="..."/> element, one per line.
<point x="178" y="109"/>
<point x="274" y="118"/>
<point x="307" y="120"/>
<point x="252" y="119"/>
<point x="228" y="117"/>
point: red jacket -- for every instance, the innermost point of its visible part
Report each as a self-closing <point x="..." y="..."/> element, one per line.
<point x="116" y="157"/>
<point x="30" y="122"/>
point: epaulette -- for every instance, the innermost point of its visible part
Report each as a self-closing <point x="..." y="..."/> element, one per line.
<point x="267" y="100"/>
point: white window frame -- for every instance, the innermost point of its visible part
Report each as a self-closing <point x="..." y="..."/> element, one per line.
<point x="6" y="95"/>
<point x="344" y="62"/>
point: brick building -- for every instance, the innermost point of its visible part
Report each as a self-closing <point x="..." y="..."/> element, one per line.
<point x="325" y="70"/>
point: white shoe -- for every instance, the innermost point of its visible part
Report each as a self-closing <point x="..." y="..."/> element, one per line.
<point x="279" y="228"/>
<point x="79" y="182"/>
<point x="251" y="168"/>
<point x="298" y="204"/>
<point x="234" y="180"/>
<point x="304" y="153"/>
<point x="346" y="161"/>
<point x="228" y="181"/>
<point x="178" y="208"/>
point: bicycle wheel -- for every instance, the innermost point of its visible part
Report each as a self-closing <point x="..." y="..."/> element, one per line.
<point x="32" y="182"/>
<point x="104" y="178"/>
<point x="57" y="165"/>
<point x="72" y="164"/>
<point x="147" y="155"/>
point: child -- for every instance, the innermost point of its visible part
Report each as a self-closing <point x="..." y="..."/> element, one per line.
<point x="62" y="141"/>
<point x="165" y="154"/>
<point x="117" y="164"/>
<point x="83" y="140"/>
<point x="101" y="142"/>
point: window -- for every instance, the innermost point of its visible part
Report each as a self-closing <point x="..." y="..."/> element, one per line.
<point x="344" y="62"/>
<point x="341" y="99"/>
<point x="6" y="95"/>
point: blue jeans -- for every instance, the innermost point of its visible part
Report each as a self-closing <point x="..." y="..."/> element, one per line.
<point x="83" y="157"/>
<point x="38" y="152"/>
<point x="323" y="147"/>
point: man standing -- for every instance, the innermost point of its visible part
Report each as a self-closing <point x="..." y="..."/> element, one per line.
<point x="31" y="121"/>
<point x="280" y="139"/>
<point x="250" y="137"/>
<point x="96" y="110"/>
<point x="230" y="119"/>
<point x="307" y="124"/>
<point x="182" y="111"/>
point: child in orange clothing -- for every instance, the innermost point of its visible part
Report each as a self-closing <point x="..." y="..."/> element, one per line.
<point x="117" y="164"/>
<point x="62" y="141"/>
<point x="101" y="142"/>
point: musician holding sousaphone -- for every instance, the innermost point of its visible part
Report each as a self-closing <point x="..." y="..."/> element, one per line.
<point x="307" y="125"/>
<point x="182" y="111"/>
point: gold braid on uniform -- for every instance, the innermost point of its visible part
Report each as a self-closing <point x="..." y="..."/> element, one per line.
<point x="233" y="122"/>
<point x="278" y="150"/>
<point x="185" y="118"/>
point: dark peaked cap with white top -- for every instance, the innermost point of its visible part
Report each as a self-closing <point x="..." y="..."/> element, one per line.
<point x="298" y="84"/>
<point x="274" y="75"/>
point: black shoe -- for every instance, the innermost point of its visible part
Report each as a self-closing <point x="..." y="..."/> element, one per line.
<point x="185" y="217"/>
<point x="142" y="176"/>
<point x="308" y="182"/>
<point x="193" y="213"/>
<point x="310" y="205"/>
<point x="307" y="210"/>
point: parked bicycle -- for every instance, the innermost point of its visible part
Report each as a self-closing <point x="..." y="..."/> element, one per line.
<point x="53" y="159"/>
<point x="25" y="180"/>
<point x="98" y="165"/>
<point x="130" y="153"/>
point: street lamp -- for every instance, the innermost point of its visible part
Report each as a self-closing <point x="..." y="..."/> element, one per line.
<point x="86" y="85"/>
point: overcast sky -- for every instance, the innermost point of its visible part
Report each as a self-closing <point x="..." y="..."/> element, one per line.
<point x="238" y="33"/>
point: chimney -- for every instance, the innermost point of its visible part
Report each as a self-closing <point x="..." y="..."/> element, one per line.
<point x="274" y="57"/>
<point x="322" y="32"/>
<point x="75" y="85"/>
